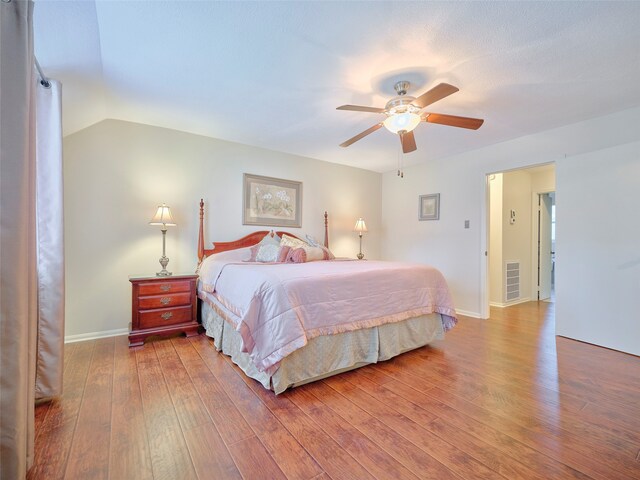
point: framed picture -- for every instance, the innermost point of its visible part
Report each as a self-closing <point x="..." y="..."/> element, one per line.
<point x="429" y="207"/>
<point x="272" y="202"/>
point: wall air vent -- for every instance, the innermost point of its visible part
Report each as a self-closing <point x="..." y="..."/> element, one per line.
<point x="512" y="281"/>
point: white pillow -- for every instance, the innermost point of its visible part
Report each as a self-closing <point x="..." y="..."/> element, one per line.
<point x="270" y="239"/>
<point x="311" y="240"/>
<point x="268" y="253"/>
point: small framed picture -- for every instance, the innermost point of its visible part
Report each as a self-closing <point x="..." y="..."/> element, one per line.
<point x="271" y="201"/>
<point x="429" y="207"/>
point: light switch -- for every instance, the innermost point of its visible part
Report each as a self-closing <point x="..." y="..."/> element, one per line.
<point x="466" y="224"/>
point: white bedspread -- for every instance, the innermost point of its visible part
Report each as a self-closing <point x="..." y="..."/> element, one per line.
<point x="277" y="308"/>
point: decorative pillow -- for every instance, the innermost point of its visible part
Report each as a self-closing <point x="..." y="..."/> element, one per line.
<point x="296" y="255"/>
<point x="309" y="254"/>
<point x="316" y="253"/>
<point x="269" y="253"/>
<point x="311" y="240"/>
<point x="270" y="239"/>
<point x="292" y="242"/>
<point x="314" y="243"/>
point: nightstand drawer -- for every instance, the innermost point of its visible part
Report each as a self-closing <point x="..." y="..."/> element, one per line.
<point x="165" y="316"/>
<point x="164" y="301"/>
<point x="158" y="288"/>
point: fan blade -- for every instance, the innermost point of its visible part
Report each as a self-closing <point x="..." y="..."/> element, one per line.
<point x="436" y="93"/>
<point x="454" y="121"/>
<point x="361" y="135"/>
<point x="358" y="108"/>
<point x="408" y="142"/>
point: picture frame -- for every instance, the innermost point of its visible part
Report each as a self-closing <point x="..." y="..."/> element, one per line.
<point x="429" y="207"/>
<point x="273" y="202"/>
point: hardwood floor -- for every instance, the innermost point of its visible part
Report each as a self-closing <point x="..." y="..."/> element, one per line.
<point x="499" y="398"/>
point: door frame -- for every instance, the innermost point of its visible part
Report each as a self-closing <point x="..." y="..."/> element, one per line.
<point x="484" y="234"/>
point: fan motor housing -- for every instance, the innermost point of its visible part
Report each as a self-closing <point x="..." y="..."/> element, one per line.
<point x="400" y="104"/>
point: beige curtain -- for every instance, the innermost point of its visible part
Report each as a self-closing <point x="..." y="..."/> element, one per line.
<point x="49" y="242"/>
<point x="18" y="285"/>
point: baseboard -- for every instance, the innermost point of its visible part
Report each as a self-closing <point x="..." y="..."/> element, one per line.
<point x="468" y="314"/>
<point x="509" y="304"/>
<point x="95" y="335"/>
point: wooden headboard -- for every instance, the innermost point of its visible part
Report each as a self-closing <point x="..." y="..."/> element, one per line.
<point x="246" y="241"/>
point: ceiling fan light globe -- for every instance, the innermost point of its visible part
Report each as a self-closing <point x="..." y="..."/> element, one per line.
<point x="406" y="121"/>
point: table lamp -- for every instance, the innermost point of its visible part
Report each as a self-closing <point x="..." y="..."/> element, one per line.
<point x="163" y="217"/>
<point x="361" y="228"/>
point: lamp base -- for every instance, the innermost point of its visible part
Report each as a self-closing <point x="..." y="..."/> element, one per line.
<point x="360" y="256"/>
<point x="164" y="261"/>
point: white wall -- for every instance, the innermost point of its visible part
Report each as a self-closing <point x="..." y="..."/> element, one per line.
<point x="460" y="253"/>
<point x="543" y="181"/>
<point x="116" y="173"/>
<point x="598" y="247"/>
<point x="516" y="241"/>
<point x="443" y="243"/>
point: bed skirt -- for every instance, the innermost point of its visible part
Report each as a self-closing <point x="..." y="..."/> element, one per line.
<point x="326" y="355"/>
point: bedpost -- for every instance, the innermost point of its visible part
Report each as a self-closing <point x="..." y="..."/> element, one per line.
<point x="326" y="230"/>
<point x="201" y="234"/>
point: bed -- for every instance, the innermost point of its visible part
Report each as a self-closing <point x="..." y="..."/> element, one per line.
<point x="286" y="324"/>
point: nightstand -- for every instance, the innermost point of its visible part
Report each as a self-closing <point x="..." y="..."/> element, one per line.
<point x="163" y="306"/>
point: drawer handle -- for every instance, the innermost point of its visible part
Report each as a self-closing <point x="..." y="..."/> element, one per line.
<point x="165" y="300"/>
<point x="167" y="315"/>
<point x="165" y="288"/>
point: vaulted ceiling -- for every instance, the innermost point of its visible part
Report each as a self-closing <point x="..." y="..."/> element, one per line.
<point x="271" y="74"/>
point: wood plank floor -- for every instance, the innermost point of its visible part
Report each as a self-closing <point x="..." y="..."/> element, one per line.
<point x="499" y="398"/>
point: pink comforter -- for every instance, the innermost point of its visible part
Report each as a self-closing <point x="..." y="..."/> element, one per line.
<point x="279" y="307"/>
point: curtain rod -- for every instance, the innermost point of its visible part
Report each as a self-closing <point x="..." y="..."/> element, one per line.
<point x="44" y="81"/>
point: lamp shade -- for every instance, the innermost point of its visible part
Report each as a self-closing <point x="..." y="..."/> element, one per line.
<point x="360" y="227"/>
<point x="163" y="217"/>
<point x="406" y="121"/>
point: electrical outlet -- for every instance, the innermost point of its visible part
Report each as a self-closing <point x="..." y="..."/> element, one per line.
<point x="466" y="224"/>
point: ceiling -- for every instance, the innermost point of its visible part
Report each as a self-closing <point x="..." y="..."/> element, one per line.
<point x="271" y="74"/>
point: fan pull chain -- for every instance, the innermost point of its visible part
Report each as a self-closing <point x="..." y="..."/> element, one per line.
<point x="400" y="163"/>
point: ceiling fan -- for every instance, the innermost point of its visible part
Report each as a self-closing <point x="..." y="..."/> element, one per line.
<point x="404" y="114"/>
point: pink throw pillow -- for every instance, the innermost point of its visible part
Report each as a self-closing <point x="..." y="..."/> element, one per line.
<point x="297" y="255"/>
<point x="309" y="254"/>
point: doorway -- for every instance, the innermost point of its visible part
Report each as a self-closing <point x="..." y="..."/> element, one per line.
<point x="520" y="236"/>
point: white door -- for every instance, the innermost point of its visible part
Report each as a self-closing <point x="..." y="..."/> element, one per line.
<point x="544" y="246"/>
